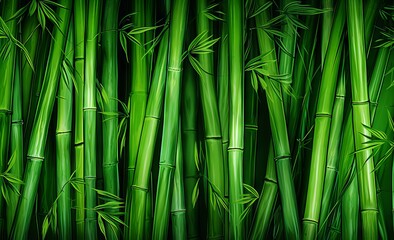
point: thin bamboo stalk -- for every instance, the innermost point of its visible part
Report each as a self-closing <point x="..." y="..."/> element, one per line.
<point x="109" y="45"/>
<point x="79" y="143"/>
<point x="63" y="142"/>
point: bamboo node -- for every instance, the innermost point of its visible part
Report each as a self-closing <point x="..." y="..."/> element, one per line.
<point x="284" y="157"/>
<point x="174" y="69"/>
<point x="139" y="188"/>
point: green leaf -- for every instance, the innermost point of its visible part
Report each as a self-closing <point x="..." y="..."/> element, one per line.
<point x="101" y="226"/>
<point x="123" y="43"/>
<point x="261" y="9"/>
<point x="196" y="192"/>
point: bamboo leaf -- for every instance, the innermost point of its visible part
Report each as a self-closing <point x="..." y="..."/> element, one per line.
<point x="195" y="193"/>
<point x="261" y="9"/>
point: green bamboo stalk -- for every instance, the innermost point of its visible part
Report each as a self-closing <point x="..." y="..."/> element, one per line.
<point x="79" y="144"/>
<point x="16" y="146"/>
<point x="30" y="38"/>
<point x="190" y="151"/>
<point x="333" y="149"/>
<point x="327" y="20"/>
<point x="361" y="118"/>
<point x="63" y="143"/>
<point x="269" y="194"/>
<point x="178" y="20"/>
<point x="139" y="90"/>
<point x="286" y="57"/>
<point x="322" y="125"/>
<point x="235" y="21"/>
<point x="148" y="141"/>
<point x="302" y="60"/>
<point x="377" y="77"/>
<point x="35" y="154"/>
<point x="178" y="207"/>
<point x="279" y="131"/>
<point x="109" y="45"/>
<point x="6" y="82"/>
<point x="212" y="131"/>
<point x="89" y="116"/>
<point x="223" y="103"/>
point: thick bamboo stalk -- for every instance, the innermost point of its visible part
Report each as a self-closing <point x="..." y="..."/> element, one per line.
<point x="235" y="21"/>
<point x="89" y="116"/>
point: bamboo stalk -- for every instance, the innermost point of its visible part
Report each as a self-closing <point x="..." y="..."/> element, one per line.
<point x="89" y="116"/>
<point x="79" y="142"/>
<point x="235" y="21"/>
<point x="63" y="142"/>
<point x="110" y="124"/>
<point x="178" y="207"/>
<point x="212" y="131"/>
<point x="6" y="82"/>
<point x="361" y="118"/>
<point x="190" y="152"/>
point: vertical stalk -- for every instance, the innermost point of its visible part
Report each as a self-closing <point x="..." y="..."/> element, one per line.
<point x="35" y="153"/>
<point x="16" y="146"/>
<point x="30" y="39"/>
<point x="139" y="91"/>
<point x="235" y="21"/>
<point x="327" y="19"/>
<point x="190" y="151"/>
<point x="178" y="20"/>
<point x="63" y="142"/>
<point x="79" y="144"/>
<point x="7" y="68"/>
<point x="89" y="116"/>
<point x="110" y="84"/>
<point x="178" y="208"/>
<point x="333" y="149"/>
<point x="361" y="118"/>
<point x="213" y="135"/>
<point x="269" y="194"/>
<point x="223" y="103"/>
